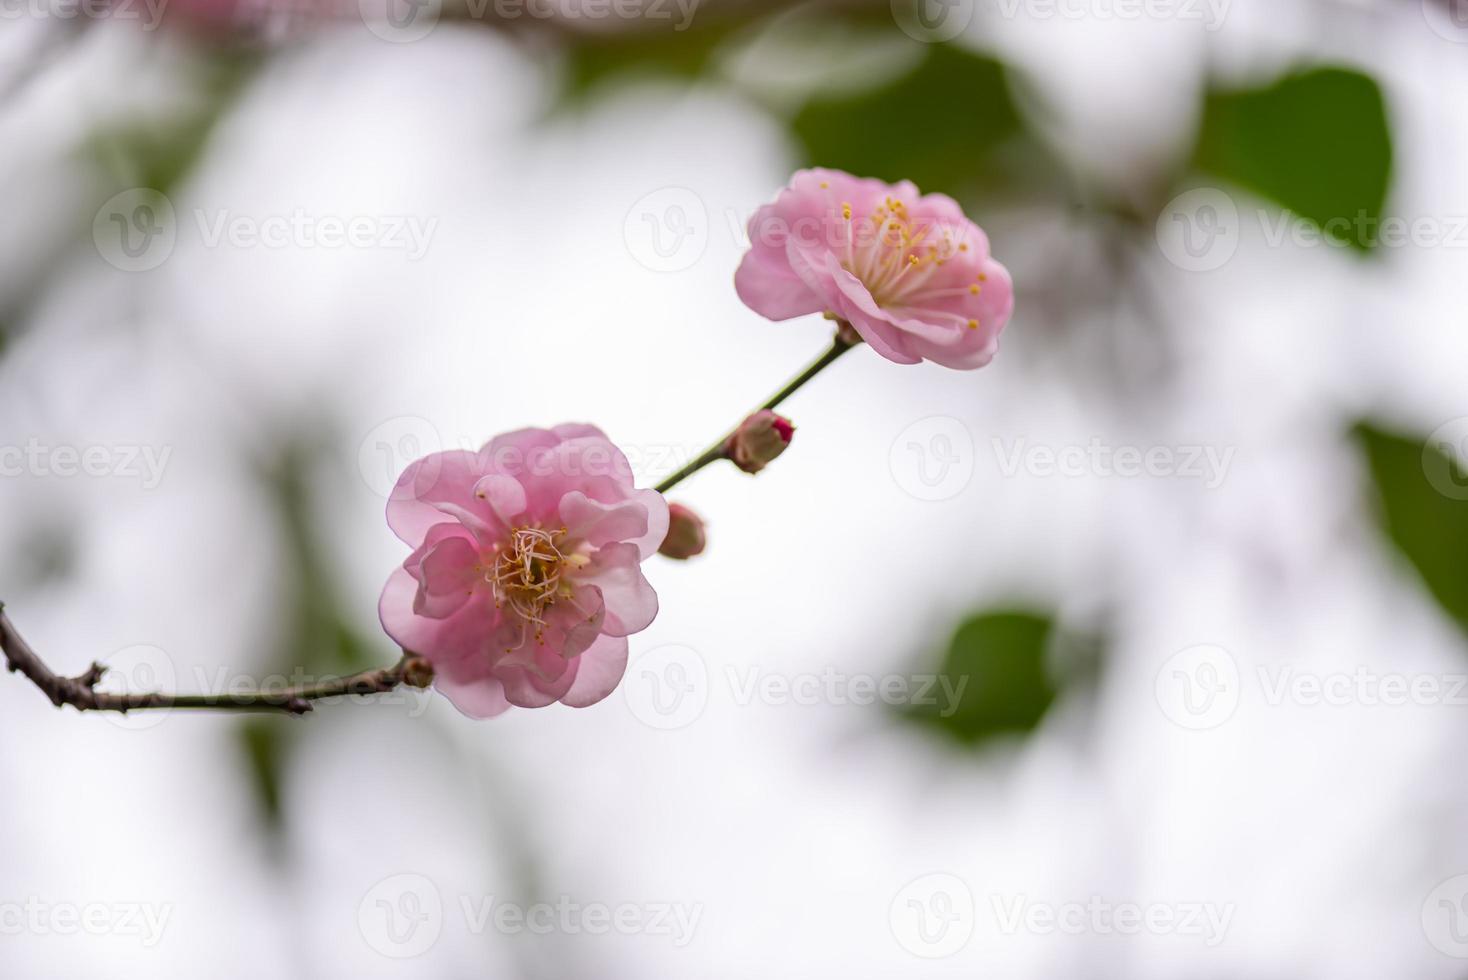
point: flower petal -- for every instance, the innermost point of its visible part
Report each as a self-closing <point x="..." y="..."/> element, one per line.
<point x="436" y="479"/>
<point x="599" y="523"/>
<point x="475" y="692"/>
<point x="631" y="603"/>
<point x="598" y="673"/>
<point x="447" y="577"/>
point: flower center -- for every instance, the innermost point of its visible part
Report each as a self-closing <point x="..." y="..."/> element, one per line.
<point x="892" y="256"/>
<point x="528" y="572"/>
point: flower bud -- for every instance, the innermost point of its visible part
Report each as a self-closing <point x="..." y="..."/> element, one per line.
<point x="685" y="534"/>
<point x="417" y="672"/>
<point x="758" y="440"/>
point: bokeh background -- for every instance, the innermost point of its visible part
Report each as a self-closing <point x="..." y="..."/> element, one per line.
<point x="1139" y="653"/>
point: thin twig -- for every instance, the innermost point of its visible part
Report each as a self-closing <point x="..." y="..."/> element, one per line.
<point x="845" y="340"/>
<point x="81" y="691"/>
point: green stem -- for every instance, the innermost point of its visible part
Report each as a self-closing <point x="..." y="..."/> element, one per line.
<point x="838" y="347"/>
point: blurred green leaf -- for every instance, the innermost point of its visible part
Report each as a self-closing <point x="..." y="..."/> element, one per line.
<point x="266" y="744"/>
<point x="593" y="62"/>
<point x="1427" y="525"/>
<point x="158" y="156"/>
<point x="996" y="662"/>
<point x="1317" y="142"/>
<point x="937" y="127"/>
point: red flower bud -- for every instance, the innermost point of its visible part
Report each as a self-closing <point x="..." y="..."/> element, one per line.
<point x="758" y="440"/>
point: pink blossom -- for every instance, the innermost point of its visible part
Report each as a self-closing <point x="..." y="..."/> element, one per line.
<point x="525" y="579"/>
<point x="908" y="271"/>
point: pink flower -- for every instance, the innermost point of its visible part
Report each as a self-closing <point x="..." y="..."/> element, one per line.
<point x="525" y="578"/>
<point x="908" y="271"/>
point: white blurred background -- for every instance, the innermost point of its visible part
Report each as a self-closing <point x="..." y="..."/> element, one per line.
<point x="549" y="212"/>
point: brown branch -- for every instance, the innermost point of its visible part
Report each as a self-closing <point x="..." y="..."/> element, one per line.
<point x="81" y="691"/>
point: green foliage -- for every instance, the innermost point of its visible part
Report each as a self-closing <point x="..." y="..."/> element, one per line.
<point x="159" y="156"/>
<point x="938" y="126"/>
<point x="265" y="744"/>
<point x="999" y="658"/>
<point x="595" y="61"/>
<point x="316" y="638"/>
<point x="1428" y="526"/>
<point x="1317" y="142"/>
